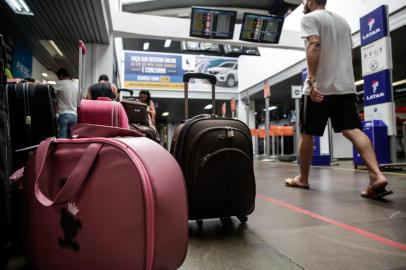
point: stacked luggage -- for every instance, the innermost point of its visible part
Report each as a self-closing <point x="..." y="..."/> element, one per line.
<point x="138" y="118"/>
<point x="5" y="215"/>
<point x="216" y="158"/>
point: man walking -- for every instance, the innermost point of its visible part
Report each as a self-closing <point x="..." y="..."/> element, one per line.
<point x="329" y="92"/>
<point x="67" y="98"/>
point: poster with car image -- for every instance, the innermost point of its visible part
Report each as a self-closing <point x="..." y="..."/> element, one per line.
<point x="163" y="71"/>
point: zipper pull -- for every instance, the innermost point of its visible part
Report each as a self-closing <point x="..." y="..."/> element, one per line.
<point x="28" y="120"/>
<point x="204" y="159"/>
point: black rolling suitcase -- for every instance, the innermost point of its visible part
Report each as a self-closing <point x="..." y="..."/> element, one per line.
<point x="5" y="217"/>
<point x="32" y="118"/>
<point x="216" y="158"/>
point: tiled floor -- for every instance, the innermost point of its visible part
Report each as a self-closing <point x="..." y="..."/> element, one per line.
<point x="288" y="229"/>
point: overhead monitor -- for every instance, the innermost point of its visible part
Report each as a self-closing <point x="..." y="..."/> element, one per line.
<point x="261" y="28"/>
<point x="212" y="23"/>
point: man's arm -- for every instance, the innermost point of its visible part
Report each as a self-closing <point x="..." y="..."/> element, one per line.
<point x="312" y="55"/>
<point x="152" y="112"/>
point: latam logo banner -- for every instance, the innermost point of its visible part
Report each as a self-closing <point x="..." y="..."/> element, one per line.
<point x="377" y="88"/>
<point x="374" y="25"/>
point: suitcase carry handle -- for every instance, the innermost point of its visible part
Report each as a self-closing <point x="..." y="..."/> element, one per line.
<point x="192" y="75"/>
<point x="90" y="131"/>
<point x="75" y="179"/>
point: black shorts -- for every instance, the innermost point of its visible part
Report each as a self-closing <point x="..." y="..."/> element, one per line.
<point x="341" y="109"/>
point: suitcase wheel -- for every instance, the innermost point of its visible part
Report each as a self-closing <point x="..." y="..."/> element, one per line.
<point x="242" y="219"/>
<point x="199" y="223"/>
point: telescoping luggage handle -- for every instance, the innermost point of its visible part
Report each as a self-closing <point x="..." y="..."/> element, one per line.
<point x="192" y="75"/>
<point x="82" y="53"/>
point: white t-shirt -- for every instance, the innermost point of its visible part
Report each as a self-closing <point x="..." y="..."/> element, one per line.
<point x="66" y="96"/>
<point x="335" y="74"/>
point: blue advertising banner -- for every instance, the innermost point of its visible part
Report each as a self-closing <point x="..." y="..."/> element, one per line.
<point x="153" y="71"/>
<point x="22" y="63"/>
<point x="374" y="25"/>
<point x="304" y="75"/>
<point x="377" y="88"/>
<point x="144" y="70"/>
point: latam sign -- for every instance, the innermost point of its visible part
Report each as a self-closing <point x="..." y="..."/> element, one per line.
<point x="374" y="25"/>
<point x="377" y="88"/>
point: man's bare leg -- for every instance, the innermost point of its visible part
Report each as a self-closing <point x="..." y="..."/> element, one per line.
<point x="362" y="143"/>
<point x="305" y="156"/>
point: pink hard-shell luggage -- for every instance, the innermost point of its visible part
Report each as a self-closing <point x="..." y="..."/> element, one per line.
<point x="100" y="201"/>
<point x="102" y="112"/>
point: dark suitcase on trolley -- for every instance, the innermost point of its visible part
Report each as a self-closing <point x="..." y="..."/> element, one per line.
<point x="32" y="118"/>
<point x="5" y="216"/>
<point x="138" y="118"/>
<point x="216" y="158"/>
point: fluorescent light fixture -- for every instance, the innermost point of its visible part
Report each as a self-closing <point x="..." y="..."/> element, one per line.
<point x="165" y="114"/>
<point x="44" y="74"/>
<point x="399" y="82"/>
<point x="208" y="107"/>
<point x="51" y="82"/>
<point x="400" y="90"/>
<point x="127" y="2"/>
<point x="167" y="43"/>
<point x="146" y="46"/>
<point x="271" y="108"/>
<point x="359" y="82"/>
<point x="19" y="7"/>
<point x="52" y="48"/>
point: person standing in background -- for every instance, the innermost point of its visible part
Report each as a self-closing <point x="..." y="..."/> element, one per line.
<point x="66" y="92"/>
<point x="102" y="89"/>
<point x="145" y="97"/>
<point x="329" y="92"/>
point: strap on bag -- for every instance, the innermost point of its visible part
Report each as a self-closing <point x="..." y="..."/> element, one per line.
<point x="89" y="131"/>
<point x="75" y="180"/>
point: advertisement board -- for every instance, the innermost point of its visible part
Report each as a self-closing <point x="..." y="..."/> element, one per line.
<point x="143" y="70"/>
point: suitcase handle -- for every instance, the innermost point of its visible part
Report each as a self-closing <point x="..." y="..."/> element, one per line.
<point x="89" y="131"/>
<point x="196" y="75"/>
<point x="75" y="180"/>
<point x="192" y="75"/>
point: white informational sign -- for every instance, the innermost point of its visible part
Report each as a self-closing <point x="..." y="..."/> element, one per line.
<point x="384" y="112"/>
<point x="324" y="145"/>
<point x="376" y="56"/>
<point x="296" y="91"/>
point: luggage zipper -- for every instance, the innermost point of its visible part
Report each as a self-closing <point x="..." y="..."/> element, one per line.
<point x="208" y="156"/>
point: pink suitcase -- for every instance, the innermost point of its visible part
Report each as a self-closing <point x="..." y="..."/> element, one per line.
<point x="103" y="112"/>
<point x="104" y="203"/>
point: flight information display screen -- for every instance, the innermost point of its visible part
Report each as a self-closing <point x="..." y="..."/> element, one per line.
<point x="261" y="28"/>
<point x="212" y="23"/>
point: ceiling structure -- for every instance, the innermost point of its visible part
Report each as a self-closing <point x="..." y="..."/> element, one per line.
<point x="276" y="7"/>
<point x="64" y="22"/>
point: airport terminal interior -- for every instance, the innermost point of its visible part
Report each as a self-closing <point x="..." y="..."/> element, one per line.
<point x="159" y="134"/>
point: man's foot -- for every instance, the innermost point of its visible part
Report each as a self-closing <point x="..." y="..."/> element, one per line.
<point x="296" y="183"/>
<point x="377" y="189"/>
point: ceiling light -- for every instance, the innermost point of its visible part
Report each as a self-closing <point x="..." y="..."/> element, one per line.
<point x="208" y="107"/>
<point x="167" y="43"/>
<point x="400" y="90"/>
<point x="19" y="7"/>
<point x="271" y="108"/>
<point x="44" y="74"/>
<point x="127" y="2"/>
<point x="165" y="114"/>
<point x="51" y="82"/>
<point x="399" y="82"/>
<point x="52" y="48"/>
<point x="146" y="46"/>
<point x="256" y="113"/>
<point x="359" y="82"/>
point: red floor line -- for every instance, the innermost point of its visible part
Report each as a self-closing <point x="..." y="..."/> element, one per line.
<point x="331" y="221"/>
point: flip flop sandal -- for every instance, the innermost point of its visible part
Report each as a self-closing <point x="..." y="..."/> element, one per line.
<point x="376" y="194"/>
<point x="290" y="182"/>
